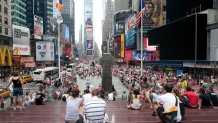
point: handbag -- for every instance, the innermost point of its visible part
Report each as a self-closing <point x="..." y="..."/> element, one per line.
<point x="171" y="117"/>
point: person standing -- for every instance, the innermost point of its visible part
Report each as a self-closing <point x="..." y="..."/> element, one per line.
<point x="17" y="89"/>
<point x="95" y="109"/>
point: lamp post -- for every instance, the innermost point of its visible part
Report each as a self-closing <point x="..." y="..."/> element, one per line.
<point x="59" y="21"/>
<point x="141" y="40"/>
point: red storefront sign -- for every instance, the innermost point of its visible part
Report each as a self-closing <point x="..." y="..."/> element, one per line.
<point x="128" y="55"/>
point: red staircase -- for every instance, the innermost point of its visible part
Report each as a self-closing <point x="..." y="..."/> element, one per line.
<point x="117" y="111"/>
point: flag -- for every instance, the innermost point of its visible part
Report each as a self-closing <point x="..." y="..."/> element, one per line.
<point x="59" y="5"/>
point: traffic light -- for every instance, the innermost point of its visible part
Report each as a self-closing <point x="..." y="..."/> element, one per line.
<point x="59" y="5"/>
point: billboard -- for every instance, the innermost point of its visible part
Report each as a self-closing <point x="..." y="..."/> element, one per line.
<point x="89" y="34"/>
<point x="53" y="25"/>
<point x="122" y="46"/>
<point x="89" y="52"/>
<point x="65" y="32"/>
<point x="152" y="14"/>
<point x="128" y="55"/>
<point x="130" y="33"/>
<point x="38" y="27"/>
<point x="89" y="44"/>
<point x="117" y="46"/>
<point x="119" y="27"/>
<point x="44" y="51"/>
<point x="147" y="55"/>
<point x="21" y="40"/>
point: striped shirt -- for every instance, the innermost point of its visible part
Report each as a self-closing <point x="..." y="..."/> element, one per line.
<point x="95" y="110"/>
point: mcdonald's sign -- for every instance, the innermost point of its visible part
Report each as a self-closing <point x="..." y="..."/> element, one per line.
<point x="3" y="53"/>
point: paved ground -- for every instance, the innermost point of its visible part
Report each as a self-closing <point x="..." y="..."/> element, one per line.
<point x="96" y="81"/>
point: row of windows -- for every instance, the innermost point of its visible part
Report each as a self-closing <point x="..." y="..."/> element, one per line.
<point x="14" y="7"/>
<point x="5" y="1"/>
<point x="18" y="15"/>
<point x="23" y="5"/>
<point x="5" y="10"/>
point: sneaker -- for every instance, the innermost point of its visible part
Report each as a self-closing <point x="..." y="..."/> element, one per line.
<point x="14" y="108"/>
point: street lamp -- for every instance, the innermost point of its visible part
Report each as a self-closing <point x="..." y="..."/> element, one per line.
<point x="59" y="21"/>
<point x="141" y="39"/>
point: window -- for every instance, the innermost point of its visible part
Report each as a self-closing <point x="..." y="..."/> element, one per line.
<point x="6" y="31"/>
<point x="0" y="8"/>
<point x="1" y="29"/>
<point x="0" y="19"/>
<point x="6" y="20"/>
<point x="6" y="1"/>
<point x="6" y="10"/>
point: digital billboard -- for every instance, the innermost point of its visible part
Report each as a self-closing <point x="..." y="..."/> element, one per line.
<point x="119" y="27"/>
<point x="147" y="55"/>
<point x="128" y="55"/>
<point x="38" y="27"/>
<point x="130" y="33"/>
<point x="152" y="14"/>
<point x="117" y="46"/>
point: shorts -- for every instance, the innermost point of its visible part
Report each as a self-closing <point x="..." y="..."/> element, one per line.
<point x="18" y="91"/>
<point x="160" y="111"/>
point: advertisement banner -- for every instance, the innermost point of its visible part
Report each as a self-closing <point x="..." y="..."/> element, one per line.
<point x="152" y="14"/>
<point x="122" y="46"/>
<point x="5" y="56"/>
<point x="38" y="27"/>
<point x="147" y="55"/>
<point x="21" y="40"/>
<point x="130" y="33"/>
<point x="89" y="44"/>
<point x="89" y="52"/>
<point x="53" y="25"/>
<point x="21" y="49"/>
<point x="111" y="46"/>
<point x="128" y="55"/>
<point x="117" y="46"/>
<point x="119" y="27"/>
<point x="44" y="51"/>
<point x="89" y="34"/>
<point x="65" y="32"/>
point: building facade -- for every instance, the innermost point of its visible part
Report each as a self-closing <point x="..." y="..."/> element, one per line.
<point x="5" y="38"/>
<point x="18" y="12"/>
<point x="88" y="29"/>
<point x="121" y="5"/>
<point x="41" y="8"/>
<point x="68" y="15"/>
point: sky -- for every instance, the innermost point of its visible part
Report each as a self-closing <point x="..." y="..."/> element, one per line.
<point x="98" y="16"/>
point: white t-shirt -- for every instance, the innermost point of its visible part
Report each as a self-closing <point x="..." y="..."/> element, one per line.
<point x="110" y="96"/>
<point x="168" y="100"/>
<point x="72" y="109"/>
<point x="86" y="97"/>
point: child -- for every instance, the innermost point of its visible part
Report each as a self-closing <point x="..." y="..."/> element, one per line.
<point x="124" y="95"/>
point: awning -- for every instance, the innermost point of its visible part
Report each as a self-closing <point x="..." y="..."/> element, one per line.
<point x="27" y="59"/>
<point x="30" y="64"/>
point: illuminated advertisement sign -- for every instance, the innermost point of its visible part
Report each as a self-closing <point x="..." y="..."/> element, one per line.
<point x="89" y="34"/>
<point x="130" y="33"/>
<point x="128" y="55"/>
<point x="5" y="54"/>
<point x="122" y="46"/>
<point x="117" y="46"/>
<point x="89" y="52"/>
<point x="147" y="55"/>
<point x="38" y="27"/>
<point x="89" y="44"/>
<point x="119" y="27"/>
<point x="152" y="14"/>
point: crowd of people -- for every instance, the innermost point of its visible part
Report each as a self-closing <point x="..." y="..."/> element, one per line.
<point x="167" y="95"/>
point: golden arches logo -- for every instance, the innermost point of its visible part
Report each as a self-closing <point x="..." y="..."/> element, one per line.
<point x="3" y="54"/>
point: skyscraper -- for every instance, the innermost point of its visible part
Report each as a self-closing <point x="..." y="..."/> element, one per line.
<point x="68" y="15"/>
<point x="18" y="12"/>
<point x="121" y="5"/>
